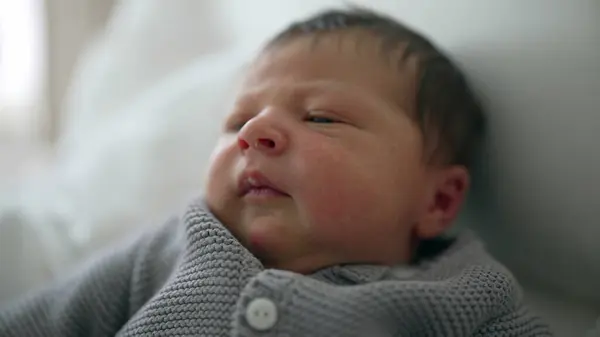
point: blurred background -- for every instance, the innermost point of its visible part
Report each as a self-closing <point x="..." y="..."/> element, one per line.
<point x="40" y="42"/>
<point x="109" y="110"/>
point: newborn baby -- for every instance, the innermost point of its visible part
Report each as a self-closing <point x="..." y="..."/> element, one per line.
<point x="341" y="166"/>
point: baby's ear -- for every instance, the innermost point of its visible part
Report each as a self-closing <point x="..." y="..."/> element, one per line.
<point x="449" y="186"/>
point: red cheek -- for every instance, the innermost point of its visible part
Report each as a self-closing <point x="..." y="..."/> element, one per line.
<point x="330" y="208"/>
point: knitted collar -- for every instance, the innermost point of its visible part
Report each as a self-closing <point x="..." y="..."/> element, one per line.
<point x="430" y="252"/>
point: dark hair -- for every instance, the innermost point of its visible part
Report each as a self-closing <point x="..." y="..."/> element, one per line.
<point x="446" y="106"/>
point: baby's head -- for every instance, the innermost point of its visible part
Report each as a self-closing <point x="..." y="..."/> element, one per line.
<point x="349" y="142"/>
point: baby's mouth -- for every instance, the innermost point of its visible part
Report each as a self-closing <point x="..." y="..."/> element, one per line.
<point x="264" y="191"/>
<point x="254" y="185"/>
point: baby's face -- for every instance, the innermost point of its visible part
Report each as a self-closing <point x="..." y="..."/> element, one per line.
<point x="319" y="162"/>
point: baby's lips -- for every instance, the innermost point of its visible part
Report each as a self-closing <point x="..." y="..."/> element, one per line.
<point x="253" y="180"/>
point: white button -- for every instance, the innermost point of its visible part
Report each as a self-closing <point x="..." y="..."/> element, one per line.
<point x="261" y="314"/>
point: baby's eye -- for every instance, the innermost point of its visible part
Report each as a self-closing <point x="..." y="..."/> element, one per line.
<point x="320" y="120"/>
<point x="235" y="126"/>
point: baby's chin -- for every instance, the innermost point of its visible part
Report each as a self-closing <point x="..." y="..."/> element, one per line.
<point x="283" y="247"/>
<point x="267" y="239"/>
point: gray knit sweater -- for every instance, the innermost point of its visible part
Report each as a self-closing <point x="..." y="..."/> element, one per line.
<point x="193" y="278"/>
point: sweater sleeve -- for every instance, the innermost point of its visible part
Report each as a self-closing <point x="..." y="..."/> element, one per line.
<point x="517" y="323"/>
<point x="100" y="298"/>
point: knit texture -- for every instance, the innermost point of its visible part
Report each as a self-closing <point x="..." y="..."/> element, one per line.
<point x="193" y="278"/>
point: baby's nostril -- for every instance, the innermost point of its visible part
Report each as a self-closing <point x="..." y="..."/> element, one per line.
<point x="266" y="142"/>
<point x="243" y="144"/>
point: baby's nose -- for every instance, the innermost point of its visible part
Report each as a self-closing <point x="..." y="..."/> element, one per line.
<point x="262" y="136"/>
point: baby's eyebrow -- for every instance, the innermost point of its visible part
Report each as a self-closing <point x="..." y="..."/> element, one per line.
<point x="298" y="88"/>
<point x="332" y="86"/>
<point x="340" y="93"/>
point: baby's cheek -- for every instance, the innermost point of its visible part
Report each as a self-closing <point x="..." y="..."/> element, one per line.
<point x="341" y="224"/>
<point x="336" y="189"/>
<point x="337" y="206"/>
<point x="221" y="158"/>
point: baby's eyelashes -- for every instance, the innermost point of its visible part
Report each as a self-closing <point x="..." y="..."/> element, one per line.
<point x="233" y="127"/>
<point x="237" y="121"/>
<point x="320" y="120"/>
<point x="322" y="117"/>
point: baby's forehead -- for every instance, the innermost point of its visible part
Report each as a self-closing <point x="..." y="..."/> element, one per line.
<point x="356" y="44"/>
<point x="297" y="87"/>
<point x="335" y="60"/>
